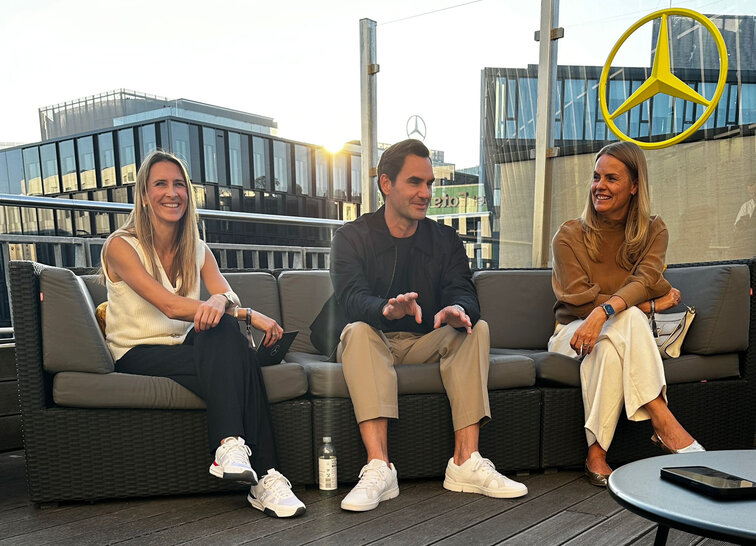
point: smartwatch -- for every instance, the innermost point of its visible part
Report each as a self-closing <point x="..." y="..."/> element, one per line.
<point x="609" y="310"/>
<point x="229" y="298"/>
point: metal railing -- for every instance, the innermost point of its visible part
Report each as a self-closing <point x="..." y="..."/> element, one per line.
<point x="83" y="252"/>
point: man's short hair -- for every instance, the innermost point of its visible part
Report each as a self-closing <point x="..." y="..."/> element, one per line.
<point x="393" y="158"/>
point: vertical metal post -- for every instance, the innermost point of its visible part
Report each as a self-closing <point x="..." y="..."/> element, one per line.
<point x="368" y="103"/>
<point x="547" y="61"/>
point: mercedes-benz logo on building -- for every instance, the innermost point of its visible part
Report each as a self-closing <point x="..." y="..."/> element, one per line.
<point x="662" y="80"/>
<point x="416" y="127"/>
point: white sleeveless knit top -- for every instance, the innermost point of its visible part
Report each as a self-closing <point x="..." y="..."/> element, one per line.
<point x="131" y="320"/>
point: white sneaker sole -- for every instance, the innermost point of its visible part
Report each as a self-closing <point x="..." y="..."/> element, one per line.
<point x="280" y="512"/>
<point x="247" y="476"/>
<point x="386" y="495"/>
<point x="458" y="487"/>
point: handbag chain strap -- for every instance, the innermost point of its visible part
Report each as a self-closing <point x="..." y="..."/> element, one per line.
<point x="654" y="328"/>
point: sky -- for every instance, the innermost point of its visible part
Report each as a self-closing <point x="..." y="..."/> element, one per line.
<point x="297" y="61"/>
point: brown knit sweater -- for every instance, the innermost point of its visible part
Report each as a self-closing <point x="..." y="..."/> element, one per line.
<point x="580" y="284"/>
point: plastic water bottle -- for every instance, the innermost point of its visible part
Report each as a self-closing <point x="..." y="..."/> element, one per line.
<point x="327" y="478"/>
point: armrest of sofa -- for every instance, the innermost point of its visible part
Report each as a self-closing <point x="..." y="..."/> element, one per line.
<point x="34" y="385"/>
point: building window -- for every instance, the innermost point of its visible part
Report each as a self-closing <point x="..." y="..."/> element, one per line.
<point x="107" y="159"/>
<point x="356" y="172"/>
<point x="50" y="178"/>
<point x="234" y="159"/>
<point x="281" y="165"/>
<point x="4" y="181"/>
<point x="68" y="165"/>
<point x="86" y="163"/>
<point x="82" y="218"/>
<point x="120" y="195"/>
<point x="210" y="154"/>
<point x="322" y="173"/>
<point x="182" y="144"/>
<point x="147" y="139"/>
<point x="16" y="179"/>
<point x="261" y="163"/>
<point x="32" y="171"/>
<point x="339" y="177"/>
<point x="127" y="156"/>
<point x="102" y="219"/>
<point x="303" y="169"/>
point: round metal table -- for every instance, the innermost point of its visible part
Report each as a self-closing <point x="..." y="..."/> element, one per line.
<point x="638" y="487"/>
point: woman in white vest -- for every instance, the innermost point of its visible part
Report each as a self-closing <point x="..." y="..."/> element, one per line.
<point x="157" y="325"/>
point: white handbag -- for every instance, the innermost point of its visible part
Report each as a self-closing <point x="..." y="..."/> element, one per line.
<point x="669" y="330"/>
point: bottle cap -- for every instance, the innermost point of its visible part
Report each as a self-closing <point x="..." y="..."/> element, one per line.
<point x="326" y="439"/>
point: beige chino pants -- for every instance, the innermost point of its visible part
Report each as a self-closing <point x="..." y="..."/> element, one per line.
<point x="624" y="367"/>
<point x="368" y="356"/>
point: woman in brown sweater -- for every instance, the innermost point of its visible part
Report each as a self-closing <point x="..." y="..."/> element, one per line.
<point x="608" y="266"/>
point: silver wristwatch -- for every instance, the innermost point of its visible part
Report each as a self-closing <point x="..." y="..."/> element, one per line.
<point x="229" y="299"/>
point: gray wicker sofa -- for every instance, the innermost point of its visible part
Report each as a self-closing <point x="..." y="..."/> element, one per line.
<point x="90" y="433"/>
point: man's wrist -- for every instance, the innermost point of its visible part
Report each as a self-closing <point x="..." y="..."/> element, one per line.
<point x="460" y="308"/>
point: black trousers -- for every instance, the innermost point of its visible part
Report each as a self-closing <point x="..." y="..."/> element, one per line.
<point x="218" y="366"/>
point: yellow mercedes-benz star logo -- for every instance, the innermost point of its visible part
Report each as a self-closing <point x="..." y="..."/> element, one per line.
<point x="662" y="80"/>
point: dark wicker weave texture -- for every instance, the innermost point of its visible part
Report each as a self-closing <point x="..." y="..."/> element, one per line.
<point x="77" y="454"/>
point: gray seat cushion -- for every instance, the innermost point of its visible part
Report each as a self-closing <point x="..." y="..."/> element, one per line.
<point x="256" y="289"/>
<point x="71" y="339"/>
<point x="117" y="390"/>
<point x="518" y="306"/>
<point x="721" y="296"/>
<point x="555" y="368"/>
<point x="506" y="372"/>
<point x="303" y="294"/>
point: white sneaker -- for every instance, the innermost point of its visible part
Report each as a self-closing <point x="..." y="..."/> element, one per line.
<point x="232" y="462"/>
<point x="273" y="495"/>
<point x="479" y="475"/>
<point x="377" y="483"/>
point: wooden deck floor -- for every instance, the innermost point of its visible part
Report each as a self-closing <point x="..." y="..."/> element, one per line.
<point x="561" y="508"/>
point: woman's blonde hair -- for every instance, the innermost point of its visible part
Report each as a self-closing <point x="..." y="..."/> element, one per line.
<point x="639" y="213"/>
<point x="139" y="225"/>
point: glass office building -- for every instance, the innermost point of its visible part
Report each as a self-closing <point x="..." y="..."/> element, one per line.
<point x="235" y="162"/>
<point x="698" y="186"/>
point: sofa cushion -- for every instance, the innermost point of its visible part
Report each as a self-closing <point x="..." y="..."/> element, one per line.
<point x="119" y="390"/>
<point x="97" y="289"/>
<point x="721" y="296"/>
<point x="71" y="339"/>
<point x="518" y="306"/>
<point x="506" y="371"/>
<point x="303" y="294"/>
<point x="256" y="289"/>
<point x="555" y="368"/>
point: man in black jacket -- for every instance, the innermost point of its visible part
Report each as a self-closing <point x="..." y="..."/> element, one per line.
<point x="404" y="284"/>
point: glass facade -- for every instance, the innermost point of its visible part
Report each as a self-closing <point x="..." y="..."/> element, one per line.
<point x="699" y="186"/>
<point x="235" y="159"/>
<point x="68" y="165"/>
<point x="210" y="155"/>
<point x="261" y="163"/>
<point x="322" y="173"/>
<point x="127" y="156"/>
<point x="147" y="140"/>
<point x="303" y="169"/>
<point x="230" y="170"/>
<point x="281" y="165"/>
<point x="107" y="159"/>
<point x="32" y="171"/>
<point x="87" y="174"/>
<point x="50" y="178"/>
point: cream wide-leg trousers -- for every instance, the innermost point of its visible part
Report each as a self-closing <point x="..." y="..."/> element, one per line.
<point x="368" y="356"/>
<point x="624" y="366"/>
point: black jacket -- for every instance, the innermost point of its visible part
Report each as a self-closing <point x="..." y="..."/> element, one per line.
<point x="363" y="264"/>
